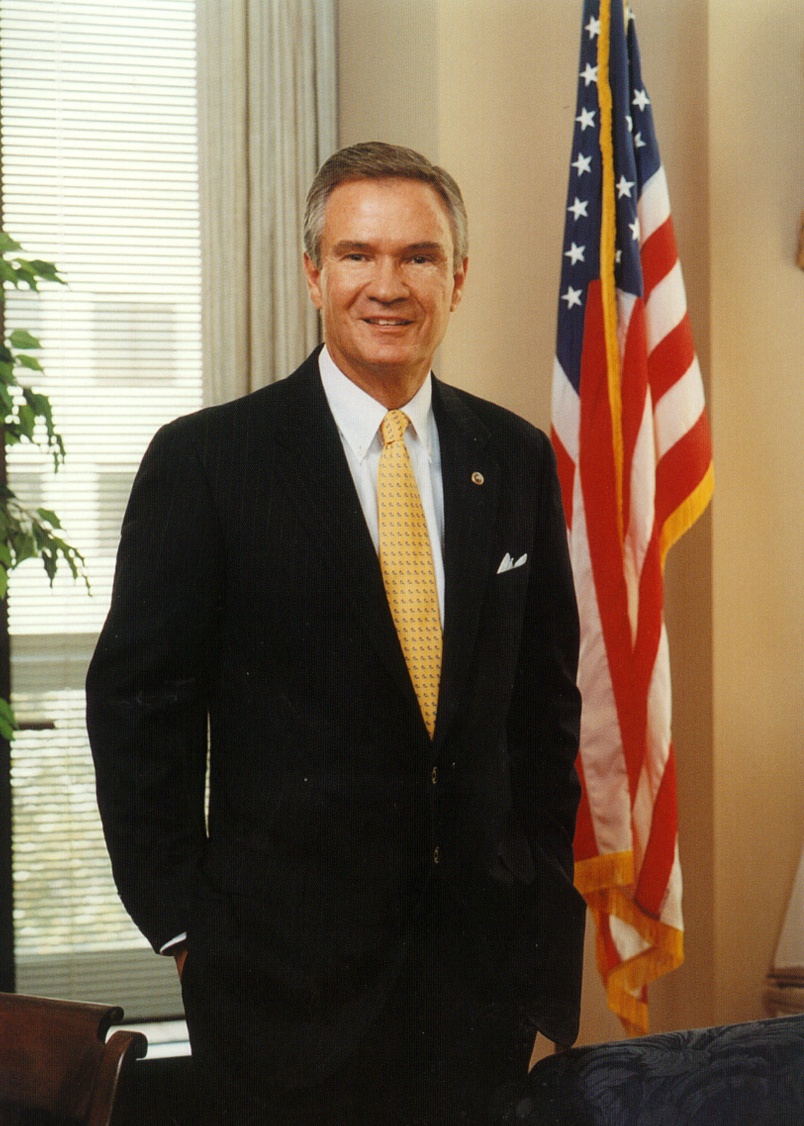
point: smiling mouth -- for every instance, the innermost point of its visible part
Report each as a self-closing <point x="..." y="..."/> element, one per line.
<point x="387" y="322"/>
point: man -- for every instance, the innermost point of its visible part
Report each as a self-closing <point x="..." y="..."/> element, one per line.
<point x="351" y="590"/>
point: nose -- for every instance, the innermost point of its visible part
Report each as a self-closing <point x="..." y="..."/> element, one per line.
<point x="387" y="284"/>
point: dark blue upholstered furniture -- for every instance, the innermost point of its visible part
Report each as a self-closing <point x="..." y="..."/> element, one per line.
<point x="737" y="1075"/>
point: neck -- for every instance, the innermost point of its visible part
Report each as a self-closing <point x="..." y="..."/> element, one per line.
<point x="392" y="389"/>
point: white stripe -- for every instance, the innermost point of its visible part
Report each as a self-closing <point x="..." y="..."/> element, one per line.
<point x="666" y="307"/>
<point x="678" y="409"/>
<point x="657" y="747"/>
<point x="658" y="752"/>
<point x="566" y="409"/>
<point x="670" y="912"/>
<point x="642" y="511"/>
<point x="601" y="743"/>
<point x="625" y="307"/>
<point x="653" y="207"/>
<point x="628" y="941"/>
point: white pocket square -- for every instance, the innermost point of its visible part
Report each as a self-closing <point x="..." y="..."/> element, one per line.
<point x="509" y="564"/>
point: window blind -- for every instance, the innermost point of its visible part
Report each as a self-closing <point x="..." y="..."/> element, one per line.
<point x="99" y="158"/>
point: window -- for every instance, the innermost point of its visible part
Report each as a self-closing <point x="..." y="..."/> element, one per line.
<point x="99" y="157"/>
<point x="134" y="343"/>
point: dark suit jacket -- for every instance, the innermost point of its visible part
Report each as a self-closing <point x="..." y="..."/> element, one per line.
<point x="249" y="609"/>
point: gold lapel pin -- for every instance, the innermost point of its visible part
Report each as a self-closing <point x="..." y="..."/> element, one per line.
<point x="478" y="478"/>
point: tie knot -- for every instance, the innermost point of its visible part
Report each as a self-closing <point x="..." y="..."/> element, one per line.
<point x="393" y="427"/>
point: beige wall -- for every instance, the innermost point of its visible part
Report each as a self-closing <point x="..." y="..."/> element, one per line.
<point x="756" y="107"/>
<point x="487" y="87"/>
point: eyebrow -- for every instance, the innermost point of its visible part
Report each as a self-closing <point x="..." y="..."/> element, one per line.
<point x="348" y="247"/>
<point x="426" y="248"/>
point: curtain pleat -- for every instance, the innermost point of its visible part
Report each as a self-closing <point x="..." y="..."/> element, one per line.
<point x="267" y="119"/>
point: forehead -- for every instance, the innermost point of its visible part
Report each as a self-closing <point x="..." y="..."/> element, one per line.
<point x="394" y="208"/>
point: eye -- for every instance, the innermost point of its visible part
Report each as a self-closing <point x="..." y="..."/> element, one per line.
<point x="421" y="259"/>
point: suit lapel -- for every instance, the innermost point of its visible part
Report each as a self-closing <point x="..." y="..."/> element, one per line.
<point x="318" y="481"/>
<point x="471" y="480"/>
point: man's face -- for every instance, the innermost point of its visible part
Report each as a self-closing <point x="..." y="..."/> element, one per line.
<point x="386" y="285"/>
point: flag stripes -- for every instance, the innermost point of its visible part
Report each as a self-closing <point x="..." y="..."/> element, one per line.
<point x="633" y="451"/>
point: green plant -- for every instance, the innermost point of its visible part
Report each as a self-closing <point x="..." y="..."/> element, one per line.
<point x="27" y="416"/>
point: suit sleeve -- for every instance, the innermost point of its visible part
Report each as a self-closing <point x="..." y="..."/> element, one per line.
<point x="543" y="738"/>
<point x="544" y="718"/>
<point x="147" y="686"/>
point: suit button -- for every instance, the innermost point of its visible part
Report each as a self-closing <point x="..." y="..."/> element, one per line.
<point x="434" y="775"/>
<point x="435" y="855"/>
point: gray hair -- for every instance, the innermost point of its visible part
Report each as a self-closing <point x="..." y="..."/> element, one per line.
<point x="376" y="160"/>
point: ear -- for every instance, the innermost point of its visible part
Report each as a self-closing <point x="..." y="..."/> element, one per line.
<point x="458" y="279"/>
<point x="313" y="275"/>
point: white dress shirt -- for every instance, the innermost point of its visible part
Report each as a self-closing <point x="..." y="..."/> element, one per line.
<point x="358" y="418"/>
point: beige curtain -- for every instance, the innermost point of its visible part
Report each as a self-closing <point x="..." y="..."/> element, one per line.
<point x="267" y="79"/>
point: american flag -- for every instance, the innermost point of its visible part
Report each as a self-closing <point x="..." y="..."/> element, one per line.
<point x="633" y="445"/>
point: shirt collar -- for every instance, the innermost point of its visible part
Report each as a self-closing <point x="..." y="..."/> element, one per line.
<point x="358" y="416"/>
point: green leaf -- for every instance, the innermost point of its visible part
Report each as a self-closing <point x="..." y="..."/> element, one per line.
<point x="29" y="362"/>
<point x="46" y="270"/>
<point x="8" y="273"/>
<point x="21" y="338"/>
<point x="24" y="273"/>
<point x="51" y="517"/>
<point x="57" y="448"/>
<point x="24" y="547"/>
<point x="40" y="403"/>
<point x="27" y="420"/>
<point x="7" y="243"/>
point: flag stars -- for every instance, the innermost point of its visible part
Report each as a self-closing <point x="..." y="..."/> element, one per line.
<point x="624" y="188"/>
<point x="634" y="227"/>
<point x="582" y="164"/>
<point x="579" y="208"/>
<point x="589" y="75"/>
<point x="593" y="27"/>
<point x="638" y="142"/>
<point x="629" y="121"/>
<point x="572" y="297"/>
<point x="575" y="254"/>
<point x="586" y="119"/>
<point x="641" y="98"/>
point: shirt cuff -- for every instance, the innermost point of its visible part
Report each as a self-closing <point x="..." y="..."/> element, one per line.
<point x="171" y="945"/>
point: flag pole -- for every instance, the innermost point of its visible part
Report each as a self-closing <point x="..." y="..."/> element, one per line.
<point x="608" y="237"/>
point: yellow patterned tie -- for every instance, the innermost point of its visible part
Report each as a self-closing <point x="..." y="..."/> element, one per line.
<point x="406" y="560"/>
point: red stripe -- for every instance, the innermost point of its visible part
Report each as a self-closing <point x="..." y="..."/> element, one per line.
<point x="585" y="843"/>
<point x="659" y="255"/>
<point x="634" y="393"/>
<point x="611" y="953"/>
<point x="682" y="469"/>
<point x="671" y="358"/>
<point x="566" y="474"/>
<point x="596" y="466"/>
<point x="660" y="854"/>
